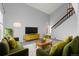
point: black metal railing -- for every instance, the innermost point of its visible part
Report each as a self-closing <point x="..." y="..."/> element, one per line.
<point x="64" y="18"/>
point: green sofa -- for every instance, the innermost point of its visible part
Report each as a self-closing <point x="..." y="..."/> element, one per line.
<point x="18" y="51"/>
<point x="72" y="48"/>
<point x="55" y="50"/>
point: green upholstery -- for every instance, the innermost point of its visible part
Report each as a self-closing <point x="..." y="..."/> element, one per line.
<point x="72" y="48"/>
<point x="22" y="52"/>
<point x="18" y="47"/>
<point x="67" y="50"/>
<point x="41" y="52"/>
<point x="12" y="43"/>
<point x="57" y="48"/>
<point x="18" y="51"/>
<point x="6" y="44"/>
<point x="68" y="39"/>
<point x="3" y="49"/>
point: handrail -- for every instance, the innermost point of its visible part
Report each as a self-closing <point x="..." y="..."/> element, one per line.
<point x="64" y="18"/>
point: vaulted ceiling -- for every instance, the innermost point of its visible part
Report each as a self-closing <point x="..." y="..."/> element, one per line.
<point x="46" y="7"/>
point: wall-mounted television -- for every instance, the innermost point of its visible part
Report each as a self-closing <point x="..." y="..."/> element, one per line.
<point x="31" y="30"/>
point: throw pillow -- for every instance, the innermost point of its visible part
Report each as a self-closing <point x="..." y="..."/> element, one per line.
<point x="68" y="39"/>
<point x="12" y="43"/>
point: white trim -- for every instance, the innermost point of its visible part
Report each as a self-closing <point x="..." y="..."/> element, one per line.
<point x="1" y="31"/>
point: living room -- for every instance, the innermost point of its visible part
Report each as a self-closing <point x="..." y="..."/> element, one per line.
<point x="46" y="18"/>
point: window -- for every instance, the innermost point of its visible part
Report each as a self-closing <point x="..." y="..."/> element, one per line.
<point x="1" y="31"/>
<point x="1" y="26"/>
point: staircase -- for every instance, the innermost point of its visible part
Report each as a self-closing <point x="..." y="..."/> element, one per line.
<point x="70" y="12"/>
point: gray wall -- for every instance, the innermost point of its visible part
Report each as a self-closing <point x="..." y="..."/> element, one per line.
<point x="27" y="16"/>
<point x="58" y="14"/>
<point x="1" y="8"/>
<point x="69" y="27"/>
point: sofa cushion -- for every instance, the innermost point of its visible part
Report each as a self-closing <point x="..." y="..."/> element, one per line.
<point x="67" y="50"/>
<point x="18" y="47"/>
<point x="68" y="39"/>
<point x="41" y="52"/>
<point x="12" y="43"/>
<point x="72" y="48"/>
<point x="75" y="45"/>
<point x="57" y="48"/>
<point x="6" y="44"/>
<point x="53" y="50"/>
<point x="3" y="49"/>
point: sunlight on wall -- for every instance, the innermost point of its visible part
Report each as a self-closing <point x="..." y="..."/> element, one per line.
<point x="17" y="24"/>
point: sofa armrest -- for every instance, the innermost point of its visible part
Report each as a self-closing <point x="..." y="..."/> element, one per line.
<point x="67" y="51"/>
<point x="23" y="52"/>
<point x="41" y="52"/>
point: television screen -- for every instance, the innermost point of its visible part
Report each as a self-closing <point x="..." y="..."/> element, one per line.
<point x="31" y="30"/>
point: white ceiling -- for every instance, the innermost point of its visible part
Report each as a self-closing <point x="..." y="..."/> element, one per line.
<point x="46" y="7"/>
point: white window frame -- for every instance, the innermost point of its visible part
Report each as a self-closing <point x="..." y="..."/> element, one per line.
<point x="1" y="31"/>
